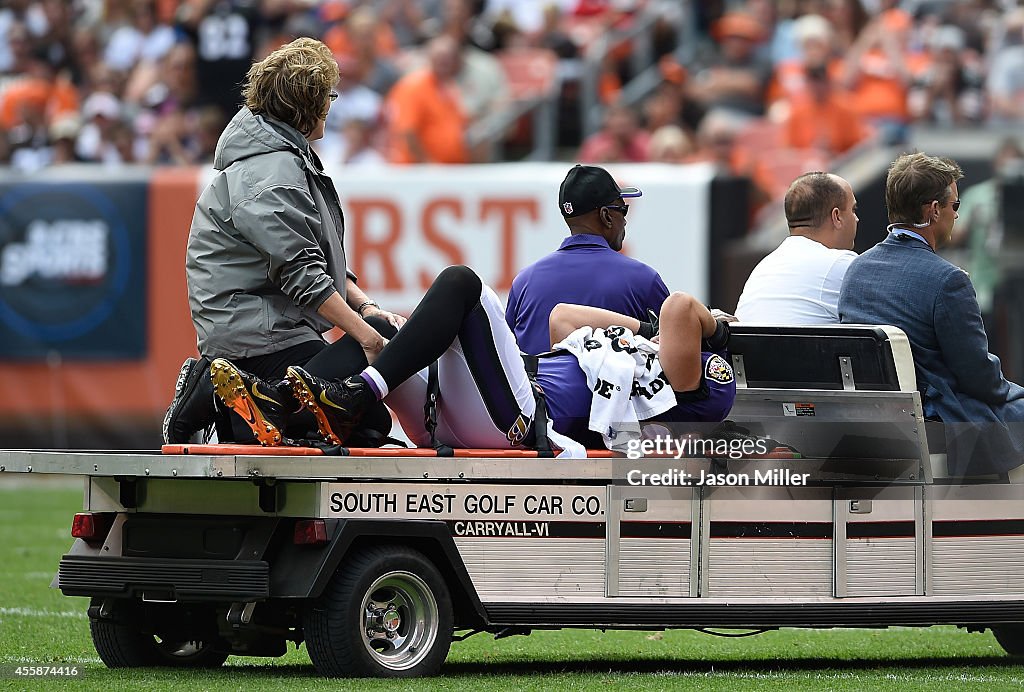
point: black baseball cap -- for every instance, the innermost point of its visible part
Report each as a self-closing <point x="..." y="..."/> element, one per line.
<point x="587" y="188"/>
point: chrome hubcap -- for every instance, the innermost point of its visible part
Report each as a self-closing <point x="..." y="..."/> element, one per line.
<point x="399" y="620"/>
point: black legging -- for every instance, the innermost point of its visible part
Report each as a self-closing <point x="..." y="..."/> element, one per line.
<point x="330" y="361"/>
<point x="345" y="356"/>
<point x="442" y="315"/>
<point x="453" y="309"/>
<point x="433" y="326"/>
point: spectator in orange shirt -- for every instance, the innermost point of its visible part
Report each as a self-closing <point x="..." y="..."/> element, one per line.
<point x="359" y="25"/>
<point x="821" y="118"/>
<point x="47" y="95"/>
<point x="425" y="115"/>
<point x="878" y="75"/>
<point x="371" y="43"/>
<point x="35" y="94"/>
<point x="814" y="37"/>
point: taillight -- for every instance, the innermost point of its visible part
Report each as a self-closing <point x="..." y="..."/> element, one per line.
<point x="310" y="532"/>
<point x="90" y="527"/>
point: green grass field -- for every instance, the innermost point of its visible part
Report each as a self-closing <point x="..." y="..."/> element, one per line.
<point x="38" y="625"/>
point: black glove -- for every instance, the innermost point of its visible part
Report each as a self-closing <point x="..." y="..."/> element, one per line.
<point x="648" y="329"/>
<point x="719" y="340"/>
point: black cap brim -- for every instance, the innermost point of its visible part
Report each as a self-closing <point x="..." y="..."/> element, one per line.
<point x="628" y="192"/>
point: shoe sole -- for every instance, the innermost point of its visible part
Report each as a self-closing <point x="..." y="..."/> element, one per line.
<point x="305" y="396"/>
<point x="228" y="384"/>
<point x="183" y="388"/>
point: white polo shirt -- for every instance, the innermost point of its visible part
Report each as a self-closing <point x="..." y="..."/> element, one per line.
<point x="796" y="284"/>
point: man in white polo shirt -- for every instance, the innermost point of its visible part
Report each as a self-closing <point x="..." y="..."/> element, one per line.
<point x="799" y="282"/>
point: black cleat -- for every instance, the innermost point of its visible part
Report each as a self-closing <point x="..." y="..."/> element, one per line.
<point x="191" y="409"/>
<point x="256" y="401"/>
<point x="337" y="405"/>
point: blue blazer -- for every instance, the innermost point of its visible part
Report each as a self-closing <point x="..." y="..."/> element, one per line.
<point x="902" y="282"/>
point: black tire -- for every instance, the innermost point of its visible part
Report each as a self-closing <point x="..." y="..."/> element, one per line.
<point x="1011" y="638"/>
<point x="121" y="644"/>
<point x="386" y="613"/>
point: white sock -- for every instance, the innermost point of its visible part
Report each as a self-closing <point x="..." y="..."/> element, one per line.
<point x="379" y="385"/>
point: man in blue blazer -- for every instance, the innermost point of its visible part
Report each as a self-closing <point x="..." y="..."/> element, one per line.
<point x="902" y="282"/>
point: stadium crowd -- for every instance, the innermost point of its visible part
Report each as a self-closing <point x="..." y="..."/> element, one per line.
<point x="769" y="89"/>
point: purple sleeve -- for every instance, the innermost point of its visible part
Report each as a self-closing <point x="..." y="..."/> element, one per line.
<point x="510" y="306"/>
<point x="658" y="292"/>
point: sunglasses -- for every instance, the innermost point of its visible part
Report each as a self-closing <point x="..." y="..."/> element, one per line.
<point x="955" y="204"/>
<point x="622" y="209"/>
<point x="333" y="96"/>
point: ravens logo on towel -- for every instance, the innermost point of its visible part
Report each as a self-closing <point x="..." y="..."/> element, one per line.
<point x="718" y="370"/>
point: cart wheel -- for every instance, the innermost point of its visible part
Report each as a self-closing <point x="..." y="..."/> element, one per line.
<point x="1011" y="638"/>
<point x="123" y="645"/>
<point x="386" y="613"/>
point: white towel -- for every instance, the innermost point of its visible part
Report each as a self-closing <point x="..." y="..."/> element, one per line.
<point x="571" y="449"/>
<point x="626" y="379"/>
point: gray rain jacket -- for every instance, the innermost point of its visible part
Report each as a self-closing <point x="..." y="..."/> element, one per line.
<point x="266" y="245"/>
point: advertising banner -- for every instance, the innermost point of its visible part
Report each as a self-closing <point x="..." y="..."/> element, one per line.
<point x="72" y="270"/>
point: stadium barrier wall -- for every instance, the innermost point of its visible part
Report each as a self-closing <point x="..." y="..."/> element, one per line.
<point x="94" y="319"/>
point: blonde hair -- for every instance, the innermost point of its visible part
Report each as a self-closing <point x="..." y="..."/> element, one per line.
<point x="293" y="84"/>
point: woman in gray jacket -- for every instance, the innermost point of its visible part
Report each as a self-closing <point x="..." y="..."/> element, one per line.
<point x="265" y="264"/>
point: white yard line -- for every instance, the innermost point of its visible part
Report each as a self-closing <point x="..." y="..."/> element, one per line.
<point x="63" y="659"/>
<point x="42" y="613"/>
<point x="838" y="675"/>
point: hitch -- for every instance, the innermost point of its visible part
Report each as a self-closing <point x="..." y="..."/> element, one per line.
<point x="102" y="610"/>
<point x="512" y="632"/>
<point x="240" y="613"/>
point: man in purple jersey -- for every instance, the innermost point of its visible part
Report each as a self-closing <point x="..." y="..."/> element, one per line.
<point x="587" y="269"/>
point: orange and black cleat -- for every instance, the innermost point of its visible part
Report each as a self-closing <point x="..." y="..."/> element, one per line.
<point x="337" y="405"/>
<point x="253" y="399"/>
